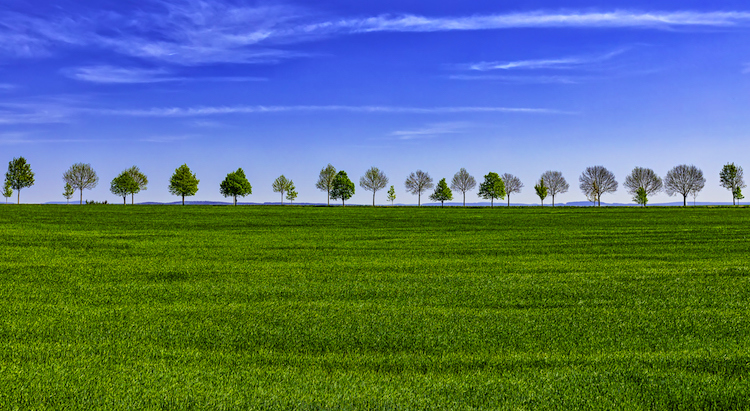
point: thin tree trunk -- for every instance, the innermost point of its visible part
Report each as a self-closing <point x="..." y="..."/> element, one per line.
<point x="508" y="200"/>
<point x="235" y="200"/>
<point x="132" y="198"/>
<point x="441" y="204"/>
<point x="684" y="201"/>
<point x="464" y="198"/>
<point x="81" y="203"/>
<point x="125" y="200"/>
<point x="183" y="199"/>
<point x="329" y="197"/>
<point x="19" y="196"/>
<point x="282" y="198"/>
<point x="419" y="199"/>
<point x="343" y="202"/>
<point x="553" y="201"/>
<point x="373" y="198"/>
<point x="492" y="202"/>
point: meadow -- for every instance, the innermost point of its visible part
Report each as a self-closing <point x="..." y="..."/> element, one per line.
<point x="268" y="307"/>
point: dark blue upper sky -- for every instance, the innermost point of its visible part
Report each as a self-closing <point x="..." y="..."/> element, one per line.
<point x="288" y="87"/>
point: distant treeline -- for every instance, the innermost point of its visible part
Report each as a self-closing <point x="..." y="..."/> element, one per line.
<point x="594" y="182"/>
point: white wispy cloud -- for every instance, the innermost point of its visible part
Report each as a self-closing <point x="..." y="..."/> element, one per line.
<point x="557" y="64"/>
<point x="223" y="110"/>
<point x="6" y="87"/>
<point x="195" y="32"/>
<point x="127" y="75"/>
<point x="166" y="139"/>
<point x="521" y="79"/>
<point x="431" y="130"/>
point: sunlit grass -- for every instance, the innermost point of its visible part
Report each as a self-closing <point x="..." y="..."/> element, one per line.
<point x="374" y="308"/>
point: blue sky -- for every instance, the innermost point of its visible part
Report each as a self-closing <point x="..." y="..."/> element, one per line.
<point x="287" y="87"/>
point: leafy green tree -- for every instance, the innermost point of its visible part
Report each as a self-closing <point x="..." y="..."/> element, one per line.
<point x="342" y="188"/>
<point x="417" y="183"/>
<point x="325" y="180"/>
<point x="281" y="185"/>
<point x="391" y="195"/>
<point x="7" y="191"/>
<point x="541" y="190"/>
<point x="492" y="187"/>
<point x="123" y="185"/>
<point x="442" y="193"/>
<point x="738" y="194"/>
<point x="81" y="176"/>
<point x="292" y="193"/>
<point x="373" y="180"/>
<point x="19" y="175"/>
<point x="235" y="184"/>
<point x="68" y="193"/>
<point x="140" y="179"/>
<point x="183" y="183"/>
<point x="641" y="196"/>
<point x="731" y="177"/>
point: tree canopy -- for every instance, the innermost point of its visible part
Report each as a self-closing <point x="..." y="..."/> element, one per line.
<point x="19" y="175"/>
<point x="684" y="179"/>
<point x="7" y="191"/>
<point x="140" y="179"/>
<point x="325" y="180"/>
<point x="68" y="192"/>
<point x="417" y="183"/>
<point x="463" y="182"/>
<point x="373" y="180"/>
<point x="342" y="188"/>
<point x="512" y="183"/>
<point x="235" y="185"/>
<point x="642" y="182"/>
<point x="556" y="183"/>
<point x="442" y="193"/>
<point x="291" y="194"/>
<point x="183" y="182"/>
<point x="81" y="176"/>
<point x="731" y="177"/>
<point x="492" y="187"/>
<point x="595" y="181"/>
<point x="541" y="190"/>
<point x="281" y="185"/>
<point x="391" y="195"/>
<point x="123" y="185"/>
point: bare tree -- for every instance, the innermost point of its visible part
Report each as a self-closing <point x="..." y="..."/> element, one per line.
<point x="684" y="179"/>
<point x="596" y="181"/>
<point x="373" y="180"/>
<point x="644" y="178"/>
<point x="463" y="182"/>
<point x="325" y="180"/>
<point x="417" y="183"/>
<point x="81" y="176"/>
<point x="513" y="184"/>
<point x="556" y="184"/>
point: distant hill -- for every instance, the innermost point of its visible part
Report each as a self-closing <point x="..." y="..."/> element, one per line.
<point x="451" y="204"/>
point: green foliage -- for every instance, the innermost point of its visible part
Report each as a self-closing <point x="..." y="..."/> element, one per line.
<point x="442" y="193"/>
<point x="235" y="185"/>
<point x="183" y="183"/>
<point x="68" y="192"/>
<point x="123" y="185"/>
<point x="641" y="196"/>
<point x="291" y="195"/>
<point x="541" y="190"/>
<point x="343" y="188"/>
<point x="140" y="179"/>
<point x="19" y="175"/>
<point x="738" y="193"/>
<point x="732" y="178"/>
<point x="492" y="188"/>
<point x="155" y="307"/>
<point x="7" y="191"/>
<point x="391" y="195"/>
<point x="282" y="185"/>
<point x="325" y="180"/>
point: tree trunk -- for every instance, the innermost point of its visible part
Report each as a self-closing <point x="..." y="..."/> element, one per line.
<point x="441" y="204"/>
<point x="81" y="197"/>
<point x="132" y="198"/>
<point x="492" y="202"/>
<point x="329" y="197"/>
<point x="235" y="200"/>
<point x="282" y="198"/>
<point x="464" y="198"/>
<point x="508" y="200"/>
<point x="183" y="199"/>
<point x="125" y="200"/>
<point x="553" y="201"/>
<point x="419" y="199"/>
<point x="19" y="196"/>
<point x="684" y="201"/>
<point x="343" y="202"/>
<point x="542" y="202"/>
<point x="373" y="198"/>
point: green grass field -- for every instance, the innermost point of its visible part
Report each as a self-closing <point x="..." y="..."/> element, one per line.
<point x="168" y="307"/>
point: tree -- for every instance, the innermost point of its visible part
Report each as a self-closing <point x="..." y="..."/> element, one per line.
<point x="81" y="176"/>
<point x="140" y="179"/>
<point x="644" y="178"/>
<point x="373" y="180"/>
<point x="417" y="183"/>
<point x="492" y="188"/>
<point x="731" y="177"/>
<point x="738" y="195"/>
<point x="463" y="182"/>
<point x="596" y="181"/>
<point x="512" y="183"/>
<point x="684" y="179"/>
<point x="123" y="185"/>
<point x="7" y="191"/>
<point x="19" y="175"/>
<point x="342" y="188"/>
<point x="541" y="190"/>
<point x="442" y="193"/>
<point x="325" y="180"/>
<point x="391" y="195"/>
<point x="641" y="196"/>
<point x="183" y="182"/>
<point x="235" y="184"/>
<point x="68" y="193"/>
<point x="556" y="183"/>
<point x="291" y="194"/>
<point x="281" y="185"/>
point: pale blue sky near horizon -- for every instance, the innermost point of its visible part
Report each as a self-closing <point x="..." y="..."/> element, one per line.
<point x="287" y="87"/>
